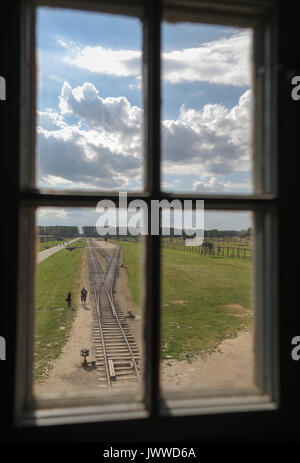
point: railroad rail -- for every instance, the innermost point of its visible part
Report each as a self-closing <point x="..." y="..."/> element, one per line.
<point x="117" y="354"/>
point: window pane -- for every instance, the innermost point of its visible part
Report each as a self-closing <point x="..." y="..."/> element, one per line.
<point x="206" y="109"/>
<point x="88" y="315"/>
<point x="207" y="314"/>
<point x="89" y="117"/>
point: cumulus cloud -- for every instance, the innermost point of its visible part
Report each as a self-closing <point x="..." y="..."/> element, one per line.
<point x="103" y="150"/>
<point x="67" y="155"/>
<point x="50" y="120"/>
<point x="222" y="61"/>
<point x="212" y="141"/>
<point x="109" y="115"/>
<point x="102" y="147"/>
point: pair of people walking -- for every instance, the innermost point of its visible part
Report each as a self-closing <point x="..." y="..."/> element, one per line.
<point x="83" y="296"/>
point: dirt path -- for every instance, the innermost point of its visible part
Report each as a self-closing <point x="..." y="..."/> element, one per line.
<point x="231" y="367"/>
<point x="42" y="255"/>
<point x="67" y="375"/>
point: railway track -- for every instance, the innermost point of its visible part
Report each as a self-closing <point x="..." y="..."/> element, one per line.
<point x="117" y="354"/>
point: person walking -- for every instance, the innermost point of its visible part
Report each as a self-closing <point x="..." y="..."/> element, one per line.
<point x="83" y="295"/>
<point x="69" y="300"/>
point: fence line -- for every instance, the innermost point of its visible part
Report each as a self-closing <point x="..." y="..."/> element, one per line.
<point x="209" y="249"/>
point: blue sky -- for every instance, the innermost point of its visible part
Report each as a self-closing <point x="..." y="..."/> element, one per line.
<point x="90" y="114"/>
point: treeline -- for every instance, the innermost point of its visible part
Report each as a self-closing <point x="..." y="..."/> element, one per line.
<point x="228" y="233"/>
<point x="59" y="231"/>
<point x="91" y="231"/>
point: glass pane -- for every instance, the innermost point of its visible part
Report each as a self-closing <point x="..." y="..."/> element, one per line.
<point x="207" y="315"/>
<point x="88" y="319"/>
<point x="206" y="109"/>
<point x="89" y="117"/>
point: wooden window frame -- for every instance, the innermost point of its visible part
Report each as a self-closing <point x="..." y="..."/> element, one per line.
<point x="265" y="204"/>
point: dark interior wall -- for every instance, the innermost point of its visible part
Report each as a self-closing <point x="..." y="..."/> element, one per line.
<point x="288" y="154"/>
<point x="9" y="142"/>
<point x="284" y="426"/>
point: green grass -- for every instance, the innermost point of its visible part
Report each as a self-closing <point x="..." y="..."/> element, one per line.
<point x="55" y="276"/>
<point x="78" y="243"/>
<point x="195" y="292"/>
<point x="48" y="244"/>
<point x="229" y="250"/>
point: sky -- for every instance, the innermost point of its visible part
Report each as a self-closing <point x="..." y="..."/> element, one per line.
<point x="90" y="109"/>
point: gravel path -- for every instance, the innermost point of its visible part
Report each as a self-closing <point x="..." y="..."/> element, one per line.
<point x="232" y="366"/>
<point x="42" y="255"/>
<point x="67" y="374"/>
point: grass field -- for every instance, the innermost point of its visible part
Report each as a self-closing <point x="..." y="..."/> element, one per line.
<point x="55" y="276"/>
<point x="204" y="299"/>
<point x="77" y="244"/>
<point x="48" y="244"/>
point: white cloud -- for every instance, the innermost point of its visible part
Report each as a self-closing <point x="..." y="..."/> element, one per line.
<point x="212" y="141"/>
<point x="210" y="186"/>
<point x="108" y="115"/>
<point x="222" y="61"/>
<point x="103" y="148"/>
<point x="214" y="185"/>
<point x="94" y="156"/>
<point x="52" y="212"/>
<point x="50" y="120"/>
<point x="121" y="63"/>
<point x="171" y="185"/>
<point x="67" y="156"/>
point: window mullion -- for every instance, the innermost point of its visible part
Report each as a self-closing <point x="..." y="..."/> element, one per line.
<point x="151" y="67"/>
